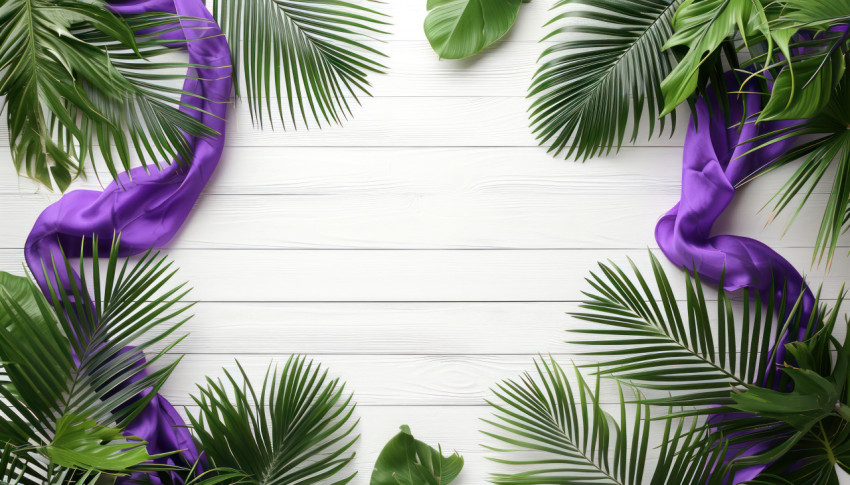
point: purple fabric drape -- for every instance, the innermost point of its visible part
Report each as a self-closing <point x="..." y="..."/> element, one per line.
<point x="715" y="159"/>
<point x="147" y="209"/>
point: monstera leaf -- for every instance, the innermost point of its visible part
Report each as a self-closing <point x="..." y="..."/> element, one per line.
<point x="408" y="461"/>
<point x="461" y="28"/>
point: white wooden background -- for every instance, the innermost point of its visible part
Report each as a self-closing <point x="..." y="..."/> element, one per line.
<point x="425" y="250"/>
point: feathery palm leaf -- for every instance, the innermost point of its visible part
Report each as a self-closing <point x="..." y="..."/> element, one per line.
<point x="656" y="344"/>
<point x="713" y="365"/>
<point x="296" y="431"/>
<point x="69" y="81"/>
<point x="70" y="381"/>
<point x="566" y="436"/>
<point x="314" y="53"/>
<point x="588" y="88"/>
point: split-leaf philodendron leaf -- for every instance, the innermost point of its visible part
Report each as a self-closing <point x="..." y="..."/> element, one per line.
<point x="461" y="28"/>
<point x="408" y="461"/>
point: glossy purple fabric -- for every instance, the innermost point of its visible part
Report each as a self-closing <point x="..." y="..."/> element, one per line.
<point x="147" y="209"/>
<point x="714" y="161"/>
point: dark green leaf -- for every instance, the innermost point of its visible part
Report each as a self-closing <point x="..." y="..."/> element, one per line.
<point x="803" y="90"/>
<point x="812" y="399"/>
<point x="462" y="28"/>
<point x="825" y="143"/>
<point x="408" y="461"/>
<point x="82" y="444"/>
<point x="70" y="384"/>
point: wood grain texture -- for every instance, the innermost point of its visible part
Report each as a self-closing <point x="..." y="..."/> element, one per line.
<point x="425" y="250"/>
<point x="413" y="275"/>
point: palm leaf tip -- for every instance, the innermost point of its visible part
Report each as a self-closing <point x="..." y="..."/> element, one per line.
<point x="588" y="90"/>
<point x="298" y="427"/>
<point x="307" y="57"/>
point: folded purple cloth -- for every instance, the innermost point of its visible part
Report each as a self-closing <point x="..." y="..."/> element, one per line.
<point x="147" y="209"/>
<point x="715" y="159"/>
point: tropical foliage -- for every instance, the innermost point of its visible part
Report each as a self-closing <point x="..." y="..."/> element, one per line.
<point x="461" y="28"/>
<point x="70" y="383"/>
<point x="296" y="430"/>
<point x="563" y="434"/>
<point x="74" y="86"/>
<point x="309" y="55"/>
<point x="611" y="68"/>
<point x="590" y="86"/>
<point x="802" y="45"/>
<point x="408" y="461"/>
<point x="715" y="368"/>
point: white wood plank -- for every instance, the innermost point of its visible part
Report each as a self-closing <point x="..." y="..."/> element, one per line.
<point x="440" y="198"/>
<point x="392" y="328"/>
<point x="414" y="275"/>
<point x="502" y="217"/>
<point x="412" y="121"/>
<point x="390" y="170"/>
<point x="383" y="380"/>
<point x="376" y="328"/>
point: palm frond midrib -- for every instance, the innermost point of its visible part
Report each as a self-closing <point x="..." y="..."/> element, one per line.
<point x="544" y="410"/>
<point x="662" y="331"/>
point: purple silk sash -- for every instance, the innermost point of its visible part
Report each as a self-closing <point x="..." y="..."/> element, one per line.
<point x="147" y="209"/>
<point x="714" y="161"/>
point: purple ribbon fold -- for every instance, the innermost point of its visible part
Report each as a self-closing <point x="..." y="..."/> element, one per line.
<point x="148" y="208"/>
<point x="715" y="159"/>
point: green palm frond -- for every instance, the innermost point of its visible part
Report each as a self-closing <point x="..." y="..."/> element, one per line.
<point x="826" y="143"/>
<point x="75" y="74"/>
<point x="695" y="353"/>
<point x="296" y="431"/>
<point x="69" y="381"/>
<point x="309" y="54"/>
<point x="587" y="89"/>
<point x="563" y="435"/>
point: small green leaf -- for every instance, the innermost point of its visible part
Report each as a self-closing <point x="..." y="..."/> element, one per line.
<point x="805" y="89"/>
<point x="83" y="444"/>
<point x="461" y="28"/>
<point x="408" y="461"/>
<point x="812" y="400"/>
<point x="23" y="292"/>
